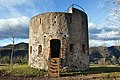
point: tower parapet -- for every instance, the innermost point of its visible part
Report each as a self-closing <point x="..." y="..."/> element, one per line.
<point x="71" y="29"/>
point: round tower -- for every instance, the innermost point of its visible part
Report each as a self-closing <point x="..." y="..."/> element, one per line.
<point x="59" y="34"/>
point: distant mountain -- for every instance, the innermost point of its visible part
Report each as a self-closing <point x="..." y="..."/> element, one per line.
<point x="19" y="46"/>
<point x="114" y="50"/>
<point x="20" y="49"/>
<point x="95" y="53"/>
<point x="22" y="46"/>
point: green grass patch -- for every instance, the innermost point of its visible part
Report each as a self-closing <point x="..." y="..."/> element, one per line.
<point x="4" y="68"/>
<point x="22" y="70"/>
<point x="99" y="70"/>
<point x="110" y="75"/>
<point x="110" y="71"/>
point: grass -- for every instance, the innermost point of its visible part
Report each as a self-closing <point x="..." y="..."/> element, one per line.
<point x="103" y="69"/>
<point x="110" y="71"/>
<point x="98" y="70"/>
<point x="22" y="70"/>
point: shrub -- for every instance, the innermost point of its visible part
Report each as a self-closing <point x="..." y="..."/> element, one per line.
<point x="5" y="60"/>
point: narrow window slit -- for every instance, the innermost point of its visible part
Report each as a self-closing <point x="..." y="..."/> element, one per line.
<point x="55" y="19"/>
<point x="71" y="47"/>
<point x="83" y="46"/>
<point x="39" y="49"/>
<point x="40" y="20"/>
<point x="30" y="49"/>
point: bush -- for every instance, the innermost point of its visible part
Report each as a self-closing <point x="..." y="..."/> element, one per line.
<point x="21" y="60"/>
<point x="5" y="60"/>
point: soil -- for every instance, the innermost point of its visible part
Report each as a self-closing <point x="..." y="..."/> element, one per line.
<point x="68" y="77"/>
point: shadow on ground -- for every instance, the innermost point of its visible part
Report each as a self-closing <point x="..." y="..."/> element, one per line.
<point x="92" y="70"/>
<point x="3" y="64"/>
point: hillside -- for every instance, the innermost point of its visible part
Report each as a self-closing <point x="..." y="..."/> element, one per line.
<point x="19" y="46"/>
<point x="20" y="49"/>
<point x="111" y="54"/>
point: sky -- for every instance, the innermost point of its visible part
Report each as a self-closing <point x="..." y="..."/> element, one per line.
<point x="15" y="17"/>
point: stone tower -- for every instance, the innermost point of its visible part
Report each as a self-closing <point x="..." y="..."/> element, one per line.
<point x="69" y="30"/>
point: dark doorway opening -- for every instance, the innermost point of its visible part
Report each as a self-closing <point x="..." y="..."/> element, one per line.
<point x="55" y="48"/>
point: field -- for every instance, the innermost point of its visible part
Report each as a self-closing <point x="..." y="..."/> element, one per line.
<point x="24" y="72"/>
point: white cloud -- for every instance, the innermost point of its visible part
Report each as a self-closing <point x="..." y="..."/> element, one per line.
<point x="95" y="26"/>
<point x="103" y="43"/>
<point x="109" y="35"/>
<point x="15" y="8"/>
<point x="18" y="26"/>
<point x="100" y="34"/>
<point x="15" y="16"/>
<point x="109" y="32"/>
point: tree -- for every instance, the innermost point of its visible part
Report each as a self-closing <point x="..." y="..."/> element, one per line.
<point x="119" y="60"/>
<point x="11" y="57"/>
<point x="114" y="60"/>
<point x="113" y="9"/>
<point x="105" y="54"/>
<point x="12" y="38"/>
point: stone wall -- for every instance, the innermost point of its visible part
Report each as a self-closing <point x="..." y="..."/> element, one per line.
<point x="70" y="28"/>
<point x="79" y="57"/>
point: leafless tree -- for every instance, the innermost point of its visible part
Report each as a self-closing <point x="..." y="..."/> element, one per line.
<point x="113" y="9"/>
<point x="12" y="37"/>
<point x="114" y="60"/>
<point x="105" y="54"/>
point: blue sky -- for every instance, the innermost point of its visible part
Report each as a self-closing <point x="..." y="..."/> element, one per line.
<point x="15" y="16"/>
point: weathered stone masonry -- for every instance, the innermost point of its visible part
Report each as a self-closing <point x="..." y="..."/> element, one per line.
<point x="70" y="28"/>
